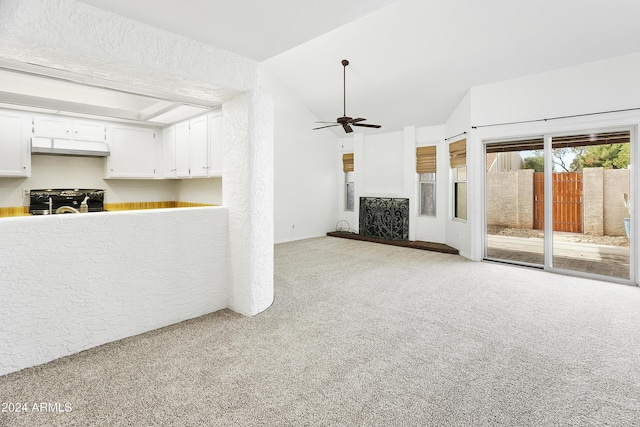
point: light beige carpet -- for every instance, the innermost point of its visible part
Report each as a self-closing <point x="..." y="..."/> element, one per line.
<point x="367" y="334"/>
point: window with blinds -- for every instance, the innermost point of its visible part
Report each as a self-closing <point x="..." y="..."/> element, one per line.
<point x="426" y="169"/>
<point x="347" y="162"/>
<point x="458" y="153"/>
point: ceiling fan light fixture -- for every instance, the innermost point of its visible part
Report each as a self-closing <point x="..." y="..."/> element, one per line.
<point x="345" y="120"/>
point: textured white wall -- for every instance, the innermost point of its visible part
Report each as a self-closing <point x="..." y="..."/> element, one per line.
<point x="247" y="191"/>
<point x="71" y="282"/>
<point x="76" y="37"/>
<point x="72" y="36"/>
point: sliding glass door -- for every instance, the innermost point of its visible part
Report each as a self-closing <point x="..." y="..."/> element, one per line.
<point x="560" y="203"/>
<point x="514" y="224"/>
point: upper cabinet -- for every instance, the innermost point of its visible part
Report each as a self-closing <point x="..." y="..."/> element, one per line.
<point x="169" y="152"/>
<point x="193" y="149"/>
<point x="132" y="152"/>
<point x="198" y="147"/>
<point x="68" y="128"/>
<point x="15" y="156"/>
<point x="215" y="143"/>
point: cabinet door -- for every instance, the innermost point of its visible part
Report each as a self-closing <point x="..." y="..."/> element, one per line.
<point x="198" y="153"/>
<point x="85" y="130"/>
<point x="215" y="144"/>
<point x="169" y="152"/>
<point x="132" y="152"/>
<point x="182" y="150"/>
<point x="52" y="127"/>
<point x="15" y="158"/>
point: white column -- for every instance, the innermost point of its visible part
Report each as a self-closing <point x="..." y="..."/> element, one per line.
<point x="247" y="193"/>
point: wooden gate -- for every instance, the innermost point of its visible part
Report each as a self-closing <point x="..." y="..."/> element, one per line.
<point x="567" y="201"/>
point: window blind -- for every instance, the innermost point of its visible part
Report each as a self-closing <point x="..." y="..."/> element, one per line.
<point x="458" y="153"/>
<point x="347" y="162"/>
<point x="426" y="159"/>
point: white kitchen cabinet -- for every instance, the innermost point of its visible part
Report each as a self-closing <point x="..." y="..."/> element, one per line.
<point x="215" y="144"/>
<point x="68" y="128"/>
<point x="169" y="152"/>
<point x="87" y="130"/>
<point x="198" y="147"/>
<point x="182" y="149"/>
<point x="15" y="152"/>
<point x="132" y="152"/>
<point x="191" y="148"/>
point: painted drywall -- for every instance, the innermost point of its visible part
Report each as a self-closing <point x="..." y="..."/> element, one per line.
<point x="589" y="88"/>
<point x="383" y="161"/>
<point x="304" y="173"/>
<point x="200" y="190"/>
<point x="71" y="282"/>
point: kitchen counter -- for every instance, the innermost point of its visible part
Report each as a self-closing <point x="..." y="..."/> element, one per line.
<point x="131" y="206"/>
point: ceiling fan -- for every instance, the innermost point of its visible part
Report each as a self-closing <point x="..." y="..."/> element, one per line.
<point x="345" y="121"/>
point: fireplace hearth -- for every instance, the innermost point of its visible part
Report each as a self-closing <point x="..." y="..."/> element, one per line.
<point x="384" y="218"/>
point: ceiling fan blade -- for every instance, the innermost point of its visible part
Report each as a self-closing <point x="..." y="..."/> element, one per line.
<point x="357" y="120"/>
<point x="335" y="123"/>
<point x="329" y="126"/>
<point x="364" y="125"/>
<point x="347" y="128"/>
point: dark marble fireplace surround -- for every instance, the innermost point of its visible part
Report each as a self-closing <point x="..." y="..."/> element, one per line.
<point x="384" y="218"/>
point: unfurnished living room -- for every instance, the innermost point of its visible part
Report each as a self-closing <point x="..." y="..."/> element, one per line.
<point x="389" y="212"/>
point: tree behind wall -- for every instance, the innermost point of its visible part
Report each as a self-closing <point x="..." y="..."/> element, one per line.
<point x="610" y="156"/>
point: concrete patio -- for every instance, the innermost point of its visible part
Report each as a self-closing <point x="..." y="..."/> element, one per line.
<point x="568" y="254"/>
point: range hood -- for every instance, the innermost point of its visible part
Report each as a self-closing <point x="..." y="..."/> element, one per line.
<point x="65" y="147"/>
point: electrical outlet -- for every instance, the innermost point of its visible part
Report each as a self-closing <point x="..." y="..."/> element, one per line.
<point x="25" y="192"/>
<point x="293" y="227"/>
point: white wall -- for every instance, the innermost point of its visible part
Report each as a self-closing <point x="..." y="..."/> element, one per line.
<point x="383" y="161"/>
<point x="589" y="88"/>
<point x="305" y="180"/>
<point x="200" y="190"/>
<point x="71" y="282"/>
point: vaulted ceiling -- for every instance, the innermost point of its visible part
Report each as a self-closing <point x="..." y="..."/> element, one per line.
<point x="412" y="61"/>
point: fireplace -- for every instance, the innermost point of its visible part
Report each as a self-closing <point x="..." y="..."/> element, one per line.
<point x="384" y="218"/>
